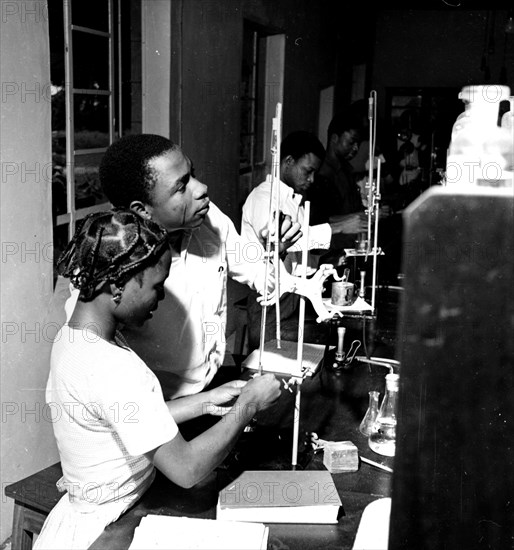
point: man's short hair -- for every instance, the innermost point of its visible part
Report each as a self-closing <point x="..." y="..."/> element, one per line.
<point x="351" y="118"/>
<point x="125" y="174"/>
<point x="300" y="143"/>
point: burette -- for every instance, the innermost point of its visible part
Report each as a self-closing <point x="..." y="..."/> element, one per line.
<point x="373" y="208"/>
<point x="273" y="232"/>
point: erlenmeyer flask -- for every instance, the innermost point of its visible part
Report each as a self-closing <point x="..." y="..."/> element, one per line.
<point x="383" y="435"/>
<point x="371" y="414"/>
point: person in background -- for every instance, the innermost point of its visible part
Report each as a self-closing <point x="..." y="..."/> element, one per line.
<point x="110" y="419"/>
<point x="341" y="185"/>
<point x="301" y="155"/>
<point x="336" y="193"/>
<point x="184" y="343"/>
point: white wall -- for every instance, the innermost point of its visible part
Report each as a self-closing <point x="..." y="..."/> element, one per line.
<point x="27" y="442"/>
<point x="156" y="51"/>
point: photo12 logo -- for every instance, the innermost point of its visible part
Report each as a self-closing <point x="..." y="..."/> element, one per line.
<point x="23" y="252"/>
<point x="23" y="172"/>
<point x="20" y="11"/>
<point x="27" y="92"/>
<point x="70" y="412"/>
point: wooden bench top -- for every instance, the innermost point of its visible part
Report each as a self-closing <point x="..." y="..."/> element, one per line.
<point x="38" y="490"/>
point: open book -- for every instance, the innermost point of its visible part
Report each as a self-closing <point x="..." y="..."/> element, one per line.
<point x="281" y="496"/>
<point x="182" y="533"/>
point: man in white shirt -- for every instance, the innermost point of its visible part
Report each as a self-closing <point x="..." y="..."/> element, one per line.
<point x="184" y="343"/>
<point x="301" y="155"/>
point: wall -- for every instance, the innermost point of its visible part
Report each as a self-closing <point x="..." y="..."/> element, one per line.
<point x="436" y="48"/>
<point x="205" y="78"/>
<point x="26" y="235"/>
<point x="211" y="67"/>
<point x="206" y="72"/>
<point x="310" y="59"/>
<point x="155" y="85"/>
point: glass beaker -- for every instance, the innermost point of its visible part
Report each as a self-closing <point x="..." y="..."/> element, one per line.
<point x="368" y="421"/>
<point x="383" y="436"/>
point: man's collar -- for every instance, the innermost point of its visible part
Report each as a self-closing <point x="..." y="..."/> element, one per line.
<point x="333" y="162"/>
<point x="175" y="240"/>
<point x="289" y="192"/>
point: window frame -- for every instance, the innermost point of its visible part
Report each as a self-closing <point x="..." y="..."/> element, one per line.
<point x="74" y="214"/>
<point x="267" y="90"/>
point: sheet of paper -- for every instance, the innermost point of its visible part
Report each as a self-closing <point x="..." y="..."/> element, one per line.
<point x="157" y="532"/>
<point x="285" y="359"/>
<point x="373" y="531"/>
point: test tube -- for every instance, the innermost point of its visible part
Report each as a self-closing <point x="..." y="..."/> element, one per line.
<point x="362" y="290"/>
<point x="340" y="343"/>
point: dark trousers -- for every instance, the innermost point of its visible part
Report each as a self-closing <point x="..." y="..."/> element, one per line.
<point x="288" y="314"/>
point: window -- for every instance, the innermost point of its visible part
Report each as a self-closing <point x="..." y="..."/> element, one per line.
<point x="262" y="77"/>
<point x="95" y="50"/>
<point x="420" y="122"/>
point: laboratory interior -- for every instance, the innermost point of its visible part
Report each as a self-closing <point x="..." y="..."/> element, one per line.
<point x="375" y="402"/>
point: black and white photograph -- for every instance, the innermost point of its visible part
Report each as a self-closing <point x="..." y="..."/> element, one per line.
<point x="257" y="275"/>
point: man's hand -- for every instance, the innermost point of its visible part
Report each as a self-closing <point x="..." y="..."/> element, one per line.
<point x="289" y="232"/>
<point x="224" y="396"/>
<point x="384" y="211"/>
<point x="356" y="222"/>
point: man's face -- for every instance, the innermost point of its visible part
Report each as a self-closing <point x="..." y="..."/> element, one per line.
<point x="347" y="144"/>
<point x="299" y="174"/>
<point x="179" y="200"/>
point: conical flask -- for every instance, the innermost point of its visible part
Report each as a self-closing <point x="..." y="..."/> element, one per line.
<point x="383" y="436"/>
<point x="371" y="414"/>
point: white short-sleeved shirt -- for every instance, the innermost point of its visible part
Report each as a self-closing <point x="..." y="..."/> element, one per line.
<point x="107" y="410"/>
<point x="256" y="216"/>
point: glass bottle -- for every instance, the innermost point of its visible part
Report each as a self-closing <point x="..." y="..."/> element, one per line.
<point x="383" y="436"/>
<point x="480" y="149"/>
<point x="371" y="414"/>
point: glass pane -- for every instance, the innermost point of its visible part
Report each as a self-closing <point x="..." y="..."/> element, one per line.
<point x="262" y="88"/>
<point x="56" y="33"/>
<point x="59" y="191"/>
<point x="245" y="151"/>
<point x="93" y="14"/>
<point x="88" y="191"/>
<point x="90" y="61"/>
<point x="247" y="68"/>
<point x="247" y="111"/>
<point x="56" y="36"/>
<point x="91" y="121"/>
<point x="61" y="240"/>
<point x="406" y="101"/>
<point x="131" y="68"/>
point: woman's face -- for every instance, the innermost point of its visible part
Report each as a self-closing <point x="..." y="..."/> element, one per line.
<point x="142" y="294"/>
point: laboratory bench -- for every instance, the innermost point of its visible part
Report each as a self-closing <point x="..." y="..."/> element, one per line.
<point x="453" y="474"/>
<point x="333" y="404"/>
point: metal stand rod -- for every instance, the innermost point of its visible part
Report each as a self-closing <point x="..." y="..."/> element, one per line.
<point x="273" y="224"/>
<point x="375" y="242"/>
<point x="277" y="138"/>
<point x="301" y="325"/>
